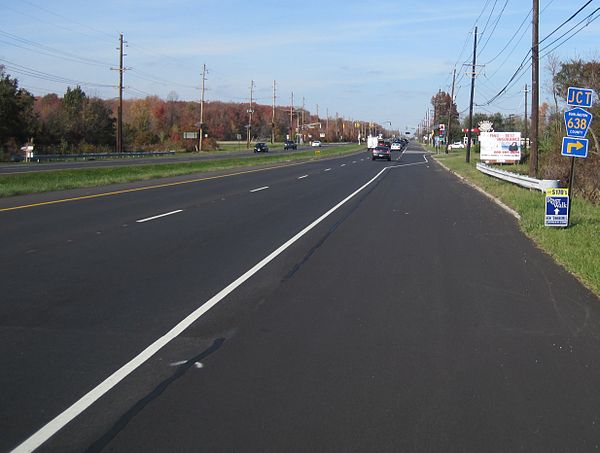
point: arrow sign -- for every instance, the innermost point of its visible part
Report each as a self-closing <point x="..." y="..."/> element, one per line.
<point x="577" y="122"/>
<point x="574" y="147"/>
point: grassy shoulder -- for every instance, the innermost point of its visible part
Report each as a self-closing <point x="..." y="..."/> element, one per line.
<point x="577" y="248"/>
<point x="48" y="181"/>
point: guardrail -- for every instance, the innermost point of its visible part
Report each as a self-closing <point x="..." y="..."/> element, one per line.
<point x="516" y="178"/>
<point x="93" y="156"/>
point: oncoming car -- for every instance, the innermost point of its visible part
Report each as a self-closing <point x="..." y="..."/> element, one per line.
<point x="381" y="152"/>
<point x="261" y="148"/>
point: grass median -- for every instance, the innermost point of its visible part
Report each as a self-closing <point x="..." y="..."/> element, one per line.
<point x="577" y="248"/>
<point x="48" y="181"/>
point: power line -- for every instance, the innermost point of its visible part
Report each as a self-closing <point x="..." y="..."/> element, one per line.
<point x="50" y="51"/>
<point x="494" y="29"/>
<point x="522" y="66"/>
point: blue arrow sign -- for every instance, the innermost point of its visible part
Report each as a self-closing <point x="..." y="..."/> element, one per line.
<point x="579" y="97"/>
<point x="574" y="147"/>
<point x="577" y="122"/>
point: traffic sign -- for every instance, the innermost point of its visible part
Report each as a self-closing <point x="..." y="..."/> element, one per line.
<point x="577" y="122"/>
<point x="579" y="97"/>
<point x="574" y="147"/>
<point x="557" y="208"/>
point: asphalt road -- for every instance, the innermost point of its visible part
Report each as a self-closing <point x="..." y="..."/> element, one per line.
<point x="28" y="167"/>
<point x="407" y="314"/>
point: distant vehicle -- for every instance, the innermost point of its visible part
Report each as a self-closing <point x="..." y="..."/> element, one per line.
<point x="371" y="143"/>
<point x="396" y="146"/>
<point x="456" y="145"/>
<point x="316" y="144"/>
<point x="288" y="144"/>
<point x="381" y="152"/>
<point x="261" y="148"/>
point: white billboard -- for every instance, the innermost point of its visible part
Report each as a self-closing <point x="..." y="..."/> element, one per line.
<point x="500" y="147"/>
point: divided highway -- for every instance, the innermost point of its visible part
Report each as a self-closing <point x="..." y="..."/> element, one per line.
<point x="334" y="305"/>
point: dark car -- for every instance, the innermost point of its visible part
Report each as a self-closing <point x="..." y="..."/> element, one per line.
<point x="288" y="144"/>
<point x="381" y="152"/>
<point x="261" y="148"/>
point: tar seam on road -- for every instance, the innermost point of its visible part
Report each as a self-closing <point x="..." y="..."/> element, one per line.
<point x="65" y="417"/>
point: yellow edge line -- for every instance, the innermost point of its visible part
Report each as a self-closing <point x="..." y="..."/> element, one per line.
<point x="139" y="189"/>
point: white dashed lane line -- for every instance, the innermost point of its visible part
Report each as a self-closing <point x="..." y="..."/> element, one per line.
<point x="159" y="216"/>
<point x="327" y="169"/>
<point x="259" y="189"/>
<point x="343" y="165"/>
<point x="303" y="176"/>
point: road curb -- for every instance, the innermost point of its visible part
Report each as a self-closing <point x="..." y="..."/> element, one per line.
<point x="508" y="209"/>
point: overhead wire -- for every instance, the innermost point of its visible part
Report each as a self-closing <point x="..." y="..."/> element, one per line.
<point x="521" y="68"/>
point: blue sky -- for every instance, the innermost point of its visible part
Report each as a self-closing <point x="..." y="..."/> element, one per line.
<point x="374" y="60"/>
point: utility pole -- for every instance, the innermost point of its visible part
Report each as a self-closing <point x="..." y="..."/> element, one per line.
<point x="201" y="128"/>
<point x="273" y="117"/>
<point x="470" y="132"/>
<point x="250" y="111"/>
<point x="292" y="119"/>
<point x="526" y="92"/>
<point x="450" y="110"/>
<point x="120" y="107"/>
<point x="302" y="125"/>
<point x="535" y="93"/>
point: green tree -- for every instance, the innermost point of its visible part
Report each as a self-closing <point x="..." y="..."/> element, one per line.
<point x="18" y="121"/>
<point x="73" y="107"/>
<point x="99" y="124"/>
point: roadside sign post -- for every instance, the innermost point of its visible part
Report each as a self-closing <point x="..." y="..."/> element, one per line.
<point x="577" y="123"/>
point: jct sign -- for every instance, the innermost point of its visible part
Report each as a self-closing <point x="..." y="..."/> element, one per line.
<point x="579" y="97"/>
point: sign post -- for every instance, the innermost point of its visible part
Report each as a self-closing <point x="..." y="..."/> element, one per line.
<point x="577" y="123"/>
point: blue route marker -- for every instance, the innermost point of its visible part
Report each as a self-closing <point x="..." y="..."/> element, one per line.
<point x="577" y="122"/>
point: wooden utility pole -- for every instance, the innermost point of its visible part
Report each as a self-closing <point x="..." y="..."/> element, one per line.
<point x="470" y="132"/>
<point x="250" y="111"/>
<point x="120" y="107"/>
<point x="201" y="128"/>
<point x="303" y="122"/>
<point x="273" y="117"/>
<point x="292" y="138"/>
<point x="526" y="119"/>
<point x="535" y="93"/>
<point x="450" y="110"/>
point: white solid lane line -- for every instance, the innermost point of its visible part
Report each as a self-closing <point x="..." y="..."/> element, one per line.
<point x="62" y="419"/>
<point x="303" y="176"/>
<point x="259" y="189"/>
<point x="159" y="216"/>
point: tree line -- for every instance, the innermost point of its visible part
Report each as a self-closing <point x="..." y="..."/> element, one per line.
<point x="78" y="123"/>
